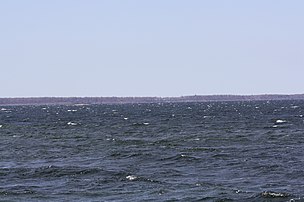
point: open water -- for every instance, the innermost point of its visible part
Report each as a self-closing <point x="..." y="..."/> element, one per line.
<point x="216" y="151"/>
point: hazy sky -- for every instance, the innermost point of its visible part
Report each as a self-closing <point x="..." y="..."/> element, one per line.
<point x="150" y="47"/>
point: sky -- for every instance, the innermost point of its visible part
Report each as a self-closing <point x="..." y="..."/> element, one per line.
<point x="151" y="47"/>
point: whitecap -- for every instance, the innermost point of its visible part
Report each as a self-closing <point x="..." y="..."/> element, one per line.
<point x="3" y="109"/>
<point x="274" y="194"/>
<point x="294" y="107"/>
<point x="126" y="118"/>
<point x="72" y="110"/>
<point x="72" y="123"/>
<point x="280" y="121"/>
<point x="131" y="177"/>
<point x="0" y="126"/>
<point x="275" y="126"/>
<point x="146" y="123"/>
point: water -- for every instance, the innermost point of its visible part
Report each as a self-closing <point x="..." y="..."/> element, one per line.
<point x="233" y="151"/>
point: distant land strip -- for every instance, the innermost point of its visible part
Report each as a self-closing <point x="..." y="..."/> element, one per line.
<point x="125" y="100"/>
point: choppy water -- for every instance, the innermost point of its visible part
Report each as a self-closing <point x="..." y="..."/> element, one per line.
<point x="234" y="151"/>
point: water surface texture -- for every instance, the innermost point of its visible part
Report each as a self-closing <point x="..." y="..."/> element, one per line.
<point x="216" y="151"/>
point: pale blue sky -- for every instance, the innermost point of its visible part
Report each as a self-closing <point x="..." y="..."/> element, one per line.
<point x="150" y="47"/>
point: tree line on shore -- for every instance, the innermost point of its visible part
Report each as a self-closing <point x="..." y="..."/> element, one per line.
<point x="122" y="100"/>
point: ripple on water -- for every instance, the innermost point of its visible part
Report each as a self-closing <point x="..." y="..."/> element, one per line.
<point x="213" y="152"/>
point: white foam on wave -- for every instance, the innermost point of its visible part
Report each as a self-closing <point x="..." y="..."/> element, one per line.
<point x="72" y="110"/>
<point x="274" y="194"/>
<point x="126" y="118"/>
<point x="131" y="177"/>
<point x="146" y="123"/>
<point x="294" y="107"/>
<point x="280" y="121"/>
<point x="3" y="109"/>
<point x="1" y="126"/>
<point x="72" y="123"/>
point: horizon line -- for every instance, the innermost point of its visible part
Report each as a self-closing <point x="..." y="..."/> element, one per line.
<point x="180" y="96"/>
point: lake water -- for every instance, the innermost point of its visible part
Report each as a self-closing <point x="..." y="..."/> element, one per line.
<point x="215" y="151"/>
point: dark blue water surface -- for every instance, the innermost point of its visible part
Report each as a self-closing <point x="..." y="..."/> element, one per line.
<point x="219" y="151"/>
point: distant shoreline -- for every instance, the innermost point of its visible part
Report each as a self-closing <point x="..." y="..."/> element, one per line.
<point x="130" y="100"/>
